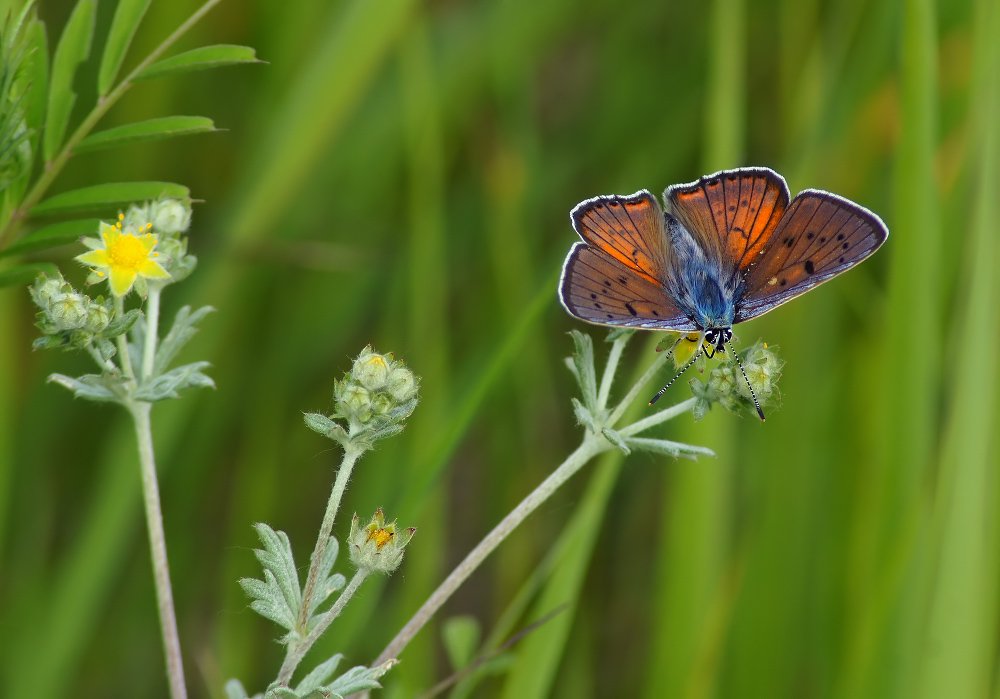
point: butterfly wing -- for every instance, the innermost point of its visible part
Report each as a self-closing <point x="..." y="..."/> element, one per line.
<point x="731" y="214"/>
<point x="614" y="276"/>
<point x="820" y="236"/>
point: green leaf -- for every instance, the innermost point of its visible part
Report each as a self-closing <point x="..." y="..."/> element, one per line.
<point x="667" y="447"/>
<point x="315" y="679"/>
<point x="73" y="49"/>
<point x="616" y="440"/>
<point x="109" y="196"/>
<point x="95" y="387"/>
<point x="150" y="130"/>
<point x="583" y="359"/>
<point x="327" y="581"/>
<point x="200" y="59"/>
<point x="25" y="274"/>
<point x="277" y="597"/>
<point x="359" y="678"/>
<point x="52" y="235"/>
<point x="36" y="72"/>
<point x="170" y="384"/>
<point x="183" y="329"/>
<point x="128" y="14"/>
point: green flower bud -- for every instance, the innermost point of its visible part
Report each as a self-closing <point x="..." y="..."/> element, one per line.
<point x="46" y="290"/>
<point x="170" y="216"/>
<point x="137" y="218"/>
<point x="98" y="318"/>
<point x="356" y="402"/>
<point x="378" y="547"/>
<point x="727" y="386"/>
<point x="69" y="311"/>
<point x="371" y="369"/>
<point x="401" y="383"/>
<point x="382" y="404"/>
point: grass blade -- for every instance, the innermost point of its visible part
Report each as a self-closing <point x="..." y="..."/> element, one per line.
<point x="73" y="49"/>
<point x="200" y="59"/>
<point x="108" y="196"/>
<point x="149" y="130"/>
<point x="128" y="14"/>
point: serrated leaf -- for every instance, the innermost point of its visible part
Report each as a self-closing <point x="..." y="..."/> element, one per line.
<point x="123" y="323"/>
<point x="90" y="386"/>
<point x="278" y="596"/>
<point x="50" y="236"/>
<point x="315" y="679"/>
<point x="359" y="678"/>
<point x="200" y="59"/>
<point x="666" y="447"/>
<point x="583" y="416"/>
<point x="128" y="14"/>
<point x="149" y="130"/>
<point x="109" y="196"/>
<point x="327" y="582"/>
<point x="26" y="273"/>
<point x="73" y="49"/>
<point x="616" y="440"/>
<point x="169" y="384"/>
<point x="460" y="635"/>
<point x="183" y="329"/>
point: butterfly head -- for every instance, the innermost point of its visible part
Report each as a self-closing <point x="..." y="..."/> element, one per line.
<point x="717" y="339"/>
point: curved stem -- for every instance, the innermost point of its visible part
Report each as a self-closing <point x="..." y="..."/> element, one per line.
<point x="158" y="550"/>
<point x="297" y="651"/>
<point x="590" y="447"/>
<point x="351" y="455"/>
<point x="639" y="385"/>
<point x="658" y="418"/>
<point x="104" y="103"/>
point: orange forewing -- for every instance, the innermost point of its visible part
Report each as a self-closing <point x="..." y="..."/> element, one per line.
<point x="733" y="214"/>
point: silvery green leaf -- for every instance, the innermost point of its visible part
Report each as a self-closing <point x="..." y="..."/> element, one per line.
<point x="359" y="678"/>
<point x="583" y="415"/>
<point x="667" y="448"/>
<point x="183" y="329"/>
<point x="282" y="693"/>
<point x="105" y="347"/>
<point x="315" y="679"/>
<point x="167" y="385"/>
<point x="234" y="690"/>
<point x="90" y="386"/>
<point x="122" y="324"/>
<point x="583" y="359"/>
<point x="623" y="334"/>
<point x="277" y="597"/>
<point x="327" y="583"/>
<point x="616" y="440"/>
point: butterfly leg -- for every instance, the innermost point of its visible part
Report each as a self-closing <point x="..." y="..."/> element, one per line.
<point x="760" y="413"/>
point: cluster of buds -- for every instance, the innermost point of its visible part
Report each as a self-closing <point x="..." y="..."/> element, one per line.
<point x="726" y="386"/>
<point x="374" y="399"/>
<point x="378" y="547"/>
<point x="71" y="319"/>
<point x="168" y="219"/>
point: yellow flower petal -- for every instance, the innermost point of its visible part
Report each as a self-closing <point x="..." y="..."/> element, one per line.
<point x="153" y="270"/>
<point x="109" y="234"/>
<point x="121" y="280"/>
<point x="95" y="258"/>
<point x="148" y="241"/>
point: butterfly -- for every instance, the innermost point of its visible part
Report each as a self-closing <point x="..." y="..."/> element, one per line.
<point x="727" y="248"/>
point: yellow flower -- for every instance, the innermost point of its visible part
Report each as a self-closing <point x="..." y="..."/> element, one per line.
<point x="123" y="256"/>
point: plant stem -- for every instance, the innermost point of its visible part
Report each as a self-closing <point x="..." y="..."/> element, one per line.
<point x="152" y="324"/>
<point x="590" y="447"/>
<point x="639" y="385"/>
<point x="158" y="550"/>
<point x="104" y="103"/>
<point x="297" y="651"/>
<point x="351" y="454"/>
<point x="609" y="370"/>
<point x="658" y="418"/>
<point x="123" y="354"/>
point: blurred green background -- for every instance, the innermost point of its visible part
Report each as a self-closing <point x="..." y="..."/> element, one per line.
<point x="400" y="174"/>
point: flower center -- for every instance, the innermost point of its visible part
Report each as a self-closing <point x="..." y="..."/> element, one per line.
<point x="381" y="537"/>
<point x="127" y="252"/>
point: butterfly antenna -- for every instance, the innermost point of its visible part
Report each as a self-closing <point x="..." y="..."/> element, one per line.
<point x="760" y="413"/>
<point x="678" y="375"/>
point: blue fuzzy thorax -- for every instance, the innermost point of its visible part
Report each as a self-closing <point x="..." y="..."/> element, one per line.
<point x="698" y="283"/>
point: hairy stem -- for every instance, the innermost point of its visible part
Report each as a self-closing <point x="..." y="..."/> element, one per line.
<point x="123" y="354"/>
<point x="639" y="385"/>
<point x="158" y="550"/>
<point x="297" y="651"/>
<point x="658" y="418"/>
<point x="590" y="447"/>
<point x="104" y="103"/>
<point x="351" y="455"/>
<point x="152" y="325"/>
<point x="609" y="370"/>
